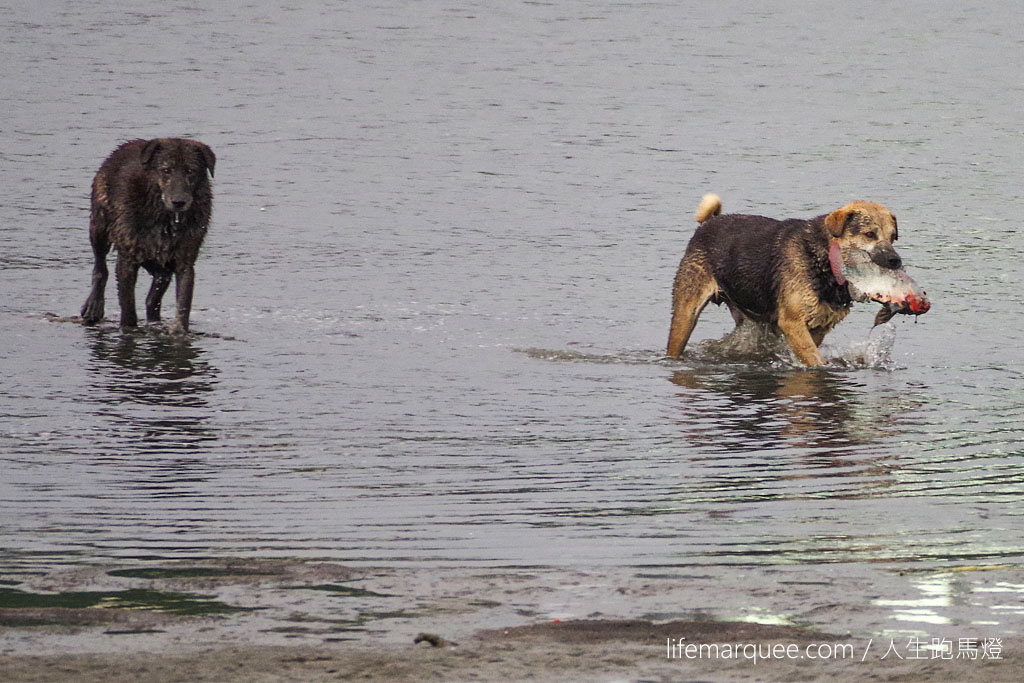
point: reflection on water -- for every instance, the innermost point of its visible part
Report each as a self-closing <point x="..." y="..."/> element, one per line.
<point x="149" y="365"/>
<point x="974" y="594"/>
<point x="936" y="592"/>
<point x="154" y="385"/>
<point x="817" y="410"/>
<point x="761" y="434"/>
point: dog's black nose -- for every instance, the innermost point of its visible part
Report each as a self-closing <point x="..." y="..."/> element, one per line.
<point x="179" y="204"/>
<point x="886" y="257"/>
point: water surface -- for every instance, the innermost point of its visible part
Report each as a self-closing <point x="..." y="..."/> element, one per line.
<point x="430" y="312"/>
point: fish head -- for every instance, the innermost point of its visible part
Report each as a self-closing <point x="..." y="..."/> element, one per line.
<point x="867" y="280"/>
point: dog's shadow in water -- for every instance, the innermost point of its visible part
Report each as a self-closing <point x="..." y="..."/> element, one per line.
<point x="765" y="408"/>
<point x="149" y="365"/>
<point x="154" y="387"/>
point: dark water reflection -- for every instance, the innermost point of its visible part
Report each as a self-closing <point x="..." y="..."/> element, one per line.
<point x="799" y="409"/>
<point x="149" y="366"/>
<point x="769" y="435"/>
<point x="827" y="413"/>
<point x="155" y="385"/>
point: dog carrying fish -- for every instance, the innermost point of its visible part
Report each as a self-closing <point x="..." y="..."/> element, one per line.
<point x="798" y="276"/>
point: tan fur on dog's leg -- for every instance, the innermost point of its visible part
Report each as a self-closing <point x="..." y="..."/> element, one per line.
<point x="693" y="288"/>
<point x="800" y="339"/>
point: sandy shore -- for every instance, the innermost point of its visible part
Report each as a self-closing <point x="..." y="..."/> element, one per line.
<point x="295" y="621"/>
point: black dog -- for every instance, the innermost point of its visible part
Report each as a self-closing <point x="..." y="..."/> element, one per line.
<point x="152" y="201"/>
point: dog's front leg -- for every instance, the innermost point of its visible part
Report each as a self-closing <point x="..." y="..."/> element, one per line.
<point x="127" y="271"/>
<point x="184" y="280"/>
<point x="800" y="340"/>
<point x="161" y="280"/>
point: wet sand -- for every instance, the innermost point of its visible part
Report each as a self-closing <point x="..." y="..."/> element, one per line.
<point x="536" y="659"/>
<point x="278" y="620"/>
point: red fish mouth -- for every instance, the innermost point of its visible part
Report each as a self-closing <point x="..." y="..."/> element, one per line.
<point x="917" y="304"/>
<point x="913" y="303"/>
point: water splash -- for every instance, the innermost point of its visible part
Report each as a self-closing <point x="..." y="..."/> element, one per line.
<point x="759" y="344"/>
<point x="873" y="352"/>
<point x="747" y="343"/>
<point x="572" y="356"/>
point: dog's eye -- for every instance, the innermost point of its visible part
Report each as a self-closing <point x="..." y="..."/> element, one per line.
<point x="872" y="235"/>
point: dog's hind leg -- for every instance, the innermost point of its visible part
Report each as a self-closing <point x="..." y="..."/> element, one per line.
<point x="92" y="309"/>
<point x="127" y="271"/>
<point x="694" y="286"/>
<point x="737" y="314"/>
<point x="818" y="334"/>
<point x="161" y="281"/>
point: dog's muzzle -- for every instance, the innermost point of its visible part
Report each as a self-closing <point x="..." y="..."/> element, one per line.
<point x="885" y="256"/>
<point x="177" y="205"/>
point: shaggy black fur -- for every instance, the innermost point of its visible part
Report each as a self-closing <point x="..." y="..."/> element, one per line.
<point x="748" y="257"/>
<point x="151" y="201"/>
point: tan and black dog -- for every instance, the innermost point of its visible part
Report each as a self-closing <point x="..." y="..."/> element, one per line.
<point x="779" y="273"/>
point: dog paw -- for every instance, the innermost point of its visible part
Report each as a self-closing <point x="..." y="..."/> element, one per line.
<point x="92" y="312"/>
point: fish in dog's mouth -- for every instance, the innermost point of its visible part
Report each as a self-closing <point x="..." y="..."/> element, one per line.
<point x="867" y="281"/>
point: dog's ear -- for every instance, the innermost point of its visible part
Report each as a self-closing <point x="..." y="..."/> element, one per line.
<point x="836" y="221"/>
<point x="149" y="150"/>
<point x="207" y="155"/>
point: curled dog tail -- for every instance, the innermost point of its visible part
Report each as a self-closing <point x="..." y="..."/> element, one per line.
<point x="710" y="205"/>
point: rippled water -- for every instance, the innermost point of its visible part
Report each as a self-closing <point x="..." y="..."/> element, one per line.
<point x="430" y="312"/>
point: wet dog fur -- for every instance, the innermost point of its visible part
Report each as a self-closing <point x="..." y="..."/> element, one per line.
<point x="151" y="201"/>
<point x="776" y="272"/>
